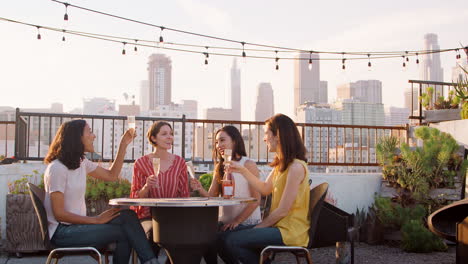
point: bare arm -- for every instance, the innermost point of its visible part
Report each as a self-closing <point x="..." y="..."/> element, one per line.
<point x="212" y="192"/>
<point x="112" y="174"/>
<point x="295" y="176"/>
<point x="265" y="188"/>
<point x="61" y="215"/>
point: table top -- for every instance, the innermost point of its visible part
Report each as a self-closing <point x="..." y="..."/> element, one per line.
<point x="181" y="202"/>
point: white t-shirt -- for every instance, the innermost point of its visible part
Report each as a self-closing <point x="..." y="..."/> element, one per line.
<point x="241" y="190"/>
<point x="72" y="183"/>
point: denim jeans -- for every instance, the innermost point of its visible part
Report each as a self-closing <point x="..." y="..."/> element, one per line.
<point x="125" y="230"/>
<point x="245" y="243"/>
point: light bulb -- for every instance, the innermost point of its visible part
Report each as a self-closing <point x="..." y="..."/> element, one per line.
<point x="310" y="64"/>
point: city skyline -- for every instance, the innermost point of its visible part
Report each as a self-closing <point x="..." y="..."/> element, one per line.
<point x="68" y="72"/>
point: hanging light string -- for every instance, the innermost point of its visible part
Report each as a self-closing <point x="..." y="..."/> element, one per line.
<point x="273" y="48"/>
<point x="152" y="43"/>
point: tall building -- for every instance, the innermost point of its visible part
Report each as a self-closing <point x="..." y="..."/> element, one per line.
<point x="99" y="106"/>
<point x="412" y="97"/>
<point x="218" y="113"/>
<point x="323" y="92"/>
<point x="430" y="69"/>
<point x="355" y="112"/>
<point x="265" y="106"/>
<point x="457" y="72"/>
<point x="369" y="91"/>
<point x="160" y="80"/>
<point x="396" y="116"/>
<point x="235" y="91"/>
<point x="307" y="81"/>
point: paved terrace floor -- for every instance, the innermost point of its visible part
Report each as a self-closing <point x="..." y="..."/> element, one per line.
<point x="364" y="254"/>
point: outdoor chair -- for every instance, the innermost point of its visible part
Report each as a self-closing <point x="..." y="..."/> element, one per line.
<point x="37" y="198"/>
<point x="317" y="196"/>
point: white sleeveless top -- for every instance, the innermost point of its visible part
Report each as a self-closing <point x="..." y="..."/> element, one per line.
<point x="228" y="213"/>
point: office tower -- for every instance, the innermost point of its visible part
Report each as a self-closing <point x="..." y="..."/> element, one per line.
<point x="265" y="106"/>
<point x="430" y="69"/>
<point x="235" y="91"/>
<point x="412" y="97"/>
<point x="160" y="80"/>
<point x="306" y="81"/>
<point x="323" y="92"/>
<point x="218" y="113"/>
<point x="396" y="116"/>
<point x="99" y="106"/>
<point x="369" y="91"/>
<point x="355" y="112"/>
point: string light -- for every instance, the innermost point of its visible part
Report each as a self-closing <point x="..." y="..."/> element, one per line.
<point x="343" y="60"/>
<point x="276" y="60"/>
<point x="207" y="55"/>
<point x="63" y="37"/>
<point x="161" y="39"/>
<point x="404" y="63"/>
<point x="65" y="17"/>
<point x="417" y="58"/>
<point x="136" y="43"/>
<point x="369" y="64"/>
<point x="123" y="49"/>
<point x="38" y="32"/>
<point x="407" y="58"/>
<point x="310" y="60"/>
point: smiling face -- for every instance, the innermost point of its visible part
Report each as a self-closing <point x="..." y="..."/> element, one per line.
<point x="223" y="141"/>
<point x="270" y="139"/>
<point x="87" y="139"/>
<point x="165" y="137"/>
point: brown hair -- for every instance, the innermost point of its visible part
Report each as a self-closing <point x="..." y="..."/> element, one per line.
<point x="154" y="130"/>
<point x="290" y="145"/>
<point x="67" y="145"/>
<point x="238" y="149"/>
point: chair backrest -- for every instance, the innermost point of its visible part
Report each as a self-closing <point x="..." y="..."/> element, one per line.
<point x="317" y="196"/>
<point x="37" y="197"/>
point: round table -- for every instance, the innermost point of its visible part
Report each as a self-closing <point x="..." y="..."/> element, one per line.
<point x="184" y="227"/>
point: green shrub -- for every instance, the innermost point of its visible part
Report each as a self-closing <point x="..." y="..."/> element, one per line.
<point x="205" y="180"/>
<point x="20" y="186"/>
<point x="98" y="189"/>
<point x="417" y="238"/>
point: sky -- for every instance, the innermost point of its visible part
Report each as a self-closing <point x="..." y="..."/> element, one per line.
<point x="35" y="73"/>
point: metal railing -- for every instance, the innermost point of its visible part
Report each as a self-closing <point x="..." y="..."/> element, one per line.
<point x="440" y="89"/>
<point x="326" y="144"/>
<point x="7" y="138"/>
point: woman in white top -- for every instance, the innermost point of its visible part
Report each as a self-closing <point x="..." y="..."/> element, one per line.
<point x="232" y="217"/>
<point x="65" y="187"/>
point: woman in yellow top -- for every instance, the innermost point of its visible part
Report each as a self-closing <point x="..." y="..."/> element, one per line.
<point x="287" y="223"/>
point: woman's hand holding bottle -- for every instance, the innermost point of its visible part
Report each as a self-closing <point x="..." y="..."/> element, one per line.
<point x="195" y="184"/>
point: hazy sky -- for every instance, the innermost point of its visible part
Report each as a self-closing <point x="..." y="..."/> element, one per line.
<point x="36" y="73"/>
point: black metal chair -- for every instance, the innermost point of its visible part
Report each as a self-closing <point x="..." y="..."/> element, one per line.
<point x="37" y="196"/>
<point x="317" y="196"/>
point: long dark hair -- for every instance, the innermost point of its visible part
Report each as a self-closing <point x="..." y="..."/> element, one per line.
<point x="238" y="148"/>
<point x="67" y="145"/>
<point x="290" y="145"/>
<point x="154" y="130"/>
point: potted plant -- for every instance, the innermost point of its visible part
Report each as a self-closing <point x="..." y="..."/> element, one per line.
<point x="99" y="192"/>
<point x="462" y="93"/>
<point x="23" y="231"/>
<point x="440" y="109"/>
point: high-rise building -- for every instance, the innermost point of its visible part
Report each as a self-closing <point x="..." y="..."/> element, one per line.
<point x="307" y="80"/>
<point x="355" y="112"/>
<point x="323" y="92"/>
<point x="396" y="116"/>
<point x="265" y="106"/>
<point x="430" y="69"/>
<point x="235" y="91"/>
<point x="412" y="97"/>
<point x="457" y="72"/>
<point x="218" y="113"/>
<point x="99" y="106"/>
<point x="369" y="91"/>
<point x="160" y="80"/>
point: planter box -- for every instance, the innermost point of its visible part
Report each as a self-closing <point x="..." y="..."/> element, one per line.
<point x="434" y="116"/>
<point x="22" y="227"/>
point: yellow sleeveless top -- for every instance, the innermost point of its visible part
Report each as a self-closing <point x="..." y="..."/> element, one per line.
<point x="294" y="227"/>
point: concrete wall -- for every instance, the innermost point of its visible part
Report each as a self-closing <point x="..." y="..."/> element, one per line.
<point x="349" y="191"/>
<point x="458" y="129"/>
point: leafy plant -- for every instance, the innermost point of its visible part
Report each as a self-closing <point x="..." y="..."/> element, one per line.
<point x="98" y="189"/>
<point x="205" y="180"/>
<point x="417" y="238"/>
<point x="451" y="102"/>
<point x="462" y="93"/>
<point x="20" y="186"/>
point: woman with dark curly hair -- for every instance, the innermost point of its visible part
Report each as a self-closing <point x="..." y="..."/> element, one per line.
<point x="65" y="187"/>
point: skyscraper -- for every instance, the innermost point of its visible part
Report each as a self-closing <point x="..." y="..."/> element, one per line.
<point x="431" y="69"/>
<point x="160" y="80"/>
<point x="369" y="91"/>
<point x="265" y="106"/>
<point x="307" y="81"/>
<point x="235" y="91"/>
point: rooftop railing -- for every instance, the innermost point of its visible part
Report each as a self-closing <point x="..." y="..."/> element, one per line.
<point x="7" y="138"/>
<point x="326" y="144"/>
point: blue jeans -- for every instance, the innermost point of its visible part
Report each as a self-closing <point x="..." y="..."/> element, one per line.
<point x="245" y="243"/>
<point x="125" y="230"/>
